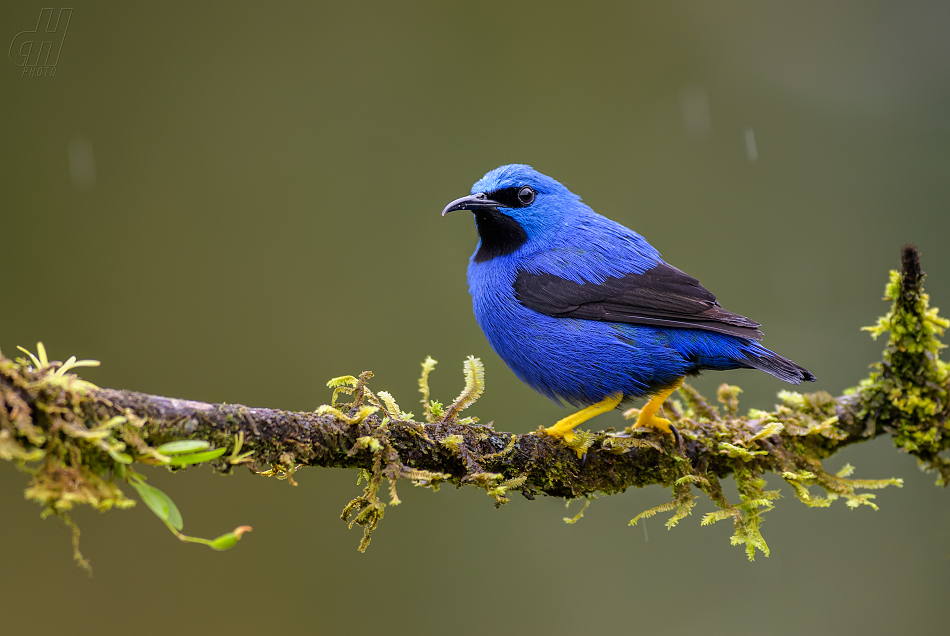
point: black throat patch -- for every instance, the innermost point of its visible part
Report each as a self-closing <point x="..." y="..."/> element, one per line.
<point x="500" y="234"/>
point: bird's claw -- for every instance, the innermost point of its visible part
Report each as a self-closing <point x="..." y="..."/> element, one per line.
<point x="677" y="438"/>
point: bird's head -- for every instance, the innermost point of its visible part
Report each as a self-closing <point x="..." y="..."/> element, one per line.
<point x="515" y="204"/>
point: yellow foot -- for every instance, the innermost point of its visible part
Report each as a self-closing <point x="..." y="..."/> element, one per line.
<point x="659" y="423"/>
<point x="648" y="415"/>
<point x="566" y="434"/>
<point x="565" y="427"/>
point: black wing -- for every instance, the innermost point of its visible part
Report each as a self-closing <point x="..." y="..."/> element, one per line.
<point x="663" y="296"/>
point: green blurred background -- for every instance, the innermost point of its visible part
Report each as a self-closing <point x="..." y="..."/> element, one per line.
<point x="236" y="202"/>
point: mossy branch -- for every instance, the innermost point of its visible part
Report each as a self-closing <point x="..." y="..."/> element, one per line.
<point x="77" y="440"/>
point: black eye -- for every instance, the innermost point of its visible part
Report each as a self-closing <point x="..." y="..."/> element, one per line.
<point x="526" y="195"/>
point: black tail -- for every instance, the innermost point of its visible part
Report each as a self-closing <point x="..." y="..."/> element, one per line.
<point x="758" y="357"/>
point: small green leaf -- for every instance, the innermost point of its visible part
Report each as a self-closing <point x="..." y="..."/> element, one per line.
<point x="159" y="503"/>
<point x="229" y="540"/>
<point x="183" y="446"/>
<point x="197" y="458"/>
<point x="224" y="542"/>
<point x="122" y="458"/>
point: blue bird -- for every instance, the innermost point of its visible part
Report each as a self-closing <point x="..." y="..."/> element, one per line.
<point x="585" y="311"/>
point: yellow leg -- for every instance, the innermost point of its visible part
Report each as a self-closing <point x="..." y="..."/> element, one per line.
<point x="565" y="428"/>
<point x="648" y="412"/>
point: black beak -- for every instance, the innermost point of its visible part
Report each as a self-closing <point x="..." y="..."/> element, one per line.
<point x="478" y="201"/>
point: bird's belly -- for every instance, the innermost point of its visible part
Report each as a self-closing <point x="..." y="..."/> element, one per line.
<point x="581" y="361"/>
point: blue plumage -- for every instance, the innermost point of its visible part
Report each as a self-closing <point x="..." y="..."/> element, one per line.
<point x="582" y="308"/>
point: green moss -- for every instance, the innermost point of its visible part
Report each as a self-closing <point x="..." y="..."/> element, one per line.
<point x="452" y="442"/>
<point x="907" y="392"/>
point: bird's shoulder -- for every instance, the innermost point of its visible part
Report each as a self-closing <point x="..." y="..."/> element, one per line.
<point x="591" y="249"/>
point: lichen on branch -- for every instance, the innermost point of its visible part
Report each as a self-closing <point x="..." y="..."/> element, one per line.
<point x="78" y="441"/>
